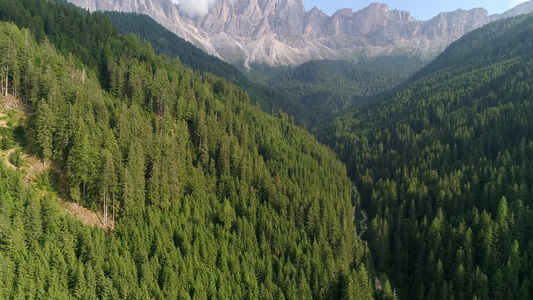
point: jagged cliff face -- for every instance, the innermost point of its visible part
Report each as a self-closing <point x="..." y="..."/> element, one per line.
<point x="163" y="11"/>
<point x="282" y="32"/>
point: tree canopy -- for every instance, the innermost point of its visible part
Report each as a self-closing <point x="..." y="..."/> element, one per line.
<point x="443" y="168"/>
<point x="212" y="197"/>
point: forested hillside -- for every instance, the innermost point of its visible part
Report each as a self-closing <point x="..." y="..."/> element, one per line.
<point x="165" y="42"/>
<point x="311" y="92"/>
<point x="211" y="197"/>
<point x="444" y="170"/>
<point x="325" y="87"/>
<point x="71" y="32"/>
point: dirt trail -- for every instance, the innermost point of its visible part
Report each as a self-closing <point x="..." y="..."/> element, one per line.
<point x="35" y="167"/>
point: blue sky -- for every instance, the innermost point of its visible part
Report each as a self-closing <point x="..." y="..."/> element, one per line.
<point x="420" y="9"/>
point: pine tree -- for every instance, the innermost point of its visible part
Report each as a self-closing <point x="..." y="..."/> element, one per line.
<point x="45" y="128"/>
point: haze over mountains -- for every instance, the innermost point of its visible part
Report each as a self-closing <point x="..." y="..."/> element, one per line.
<point x="285" y="33"/>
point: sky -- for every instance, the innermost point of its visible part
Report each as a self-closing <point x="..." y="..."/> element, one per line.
<point x="420" y="9"/>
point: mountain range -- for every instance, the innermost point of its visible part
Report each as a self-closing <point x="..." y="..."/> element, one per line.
<point x="284" y="33"/>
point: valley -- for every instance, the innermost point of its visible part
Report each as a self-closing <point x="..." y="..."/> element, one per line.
<point x="136" y="165"/>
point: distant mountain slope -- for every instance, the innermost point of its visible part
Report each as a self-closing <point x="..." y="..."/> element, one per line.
<point x="444" y="169"/>
<point x="165" y="42"/>
<point x="284" y="33"/>
<point x="334" y="86"/>
<point x="520" y="9"/>
<point x="491" y="44"/>
<point x="328" y="87"/>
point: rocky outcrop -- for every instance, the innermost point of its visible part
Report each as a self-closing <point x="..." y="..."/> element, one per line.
<point x="159" y="10"/>
<point x="282" y="32"/>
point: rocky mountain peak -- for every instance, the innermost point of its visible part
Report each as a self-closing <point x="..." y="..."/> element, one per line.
<point x="313" y="22"/>
<point x="453" y="25"/>
<point x="282" y="32"/>
<point x="376" y="7"/>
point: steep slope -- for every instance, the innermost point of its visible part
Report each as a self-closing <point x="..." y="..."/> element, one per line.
<point x="284" y="33"/>
<point x="165" y="42"/>
<point x="444" y="171"/>
<point x="211" y="197"/>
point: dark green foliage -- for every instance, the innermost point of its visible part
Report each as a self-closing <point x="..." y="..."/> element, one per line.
<point x="71" y="30"/>
<point x="325" y="88"/>
<point x="165" y="42"/>
<point x="445" y="173"/>
<point x="212" y="197"/>
<point x="15" y="158"/>
<point x="7" y="139"/>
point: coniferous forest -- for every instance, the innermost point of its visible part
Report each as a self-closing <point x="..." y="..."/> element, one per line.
<point x="212" y="198"/>
<point x="425" y="191"/>
<point x="326" y="88"/>
<point x="444" y="170"/>
<point x="167" y="43"/>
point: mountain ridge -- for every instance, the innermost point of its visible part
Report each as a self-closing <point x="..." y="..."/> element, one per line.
<point x="285" y="33"/>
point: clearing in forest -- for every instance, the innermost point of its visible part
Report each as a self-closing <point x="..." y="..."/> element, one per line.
<point x="86" y="216"/>
<point x="31" y="167"/>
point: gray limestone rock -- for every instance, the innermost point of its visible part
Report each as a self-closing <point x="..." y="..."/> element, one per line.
<point x="282" y="32"/>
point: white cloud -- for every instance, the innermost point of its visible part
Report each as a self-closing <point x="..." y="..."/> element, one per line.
<point x="516" y="2"/>
<point x="195" y="7"/>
